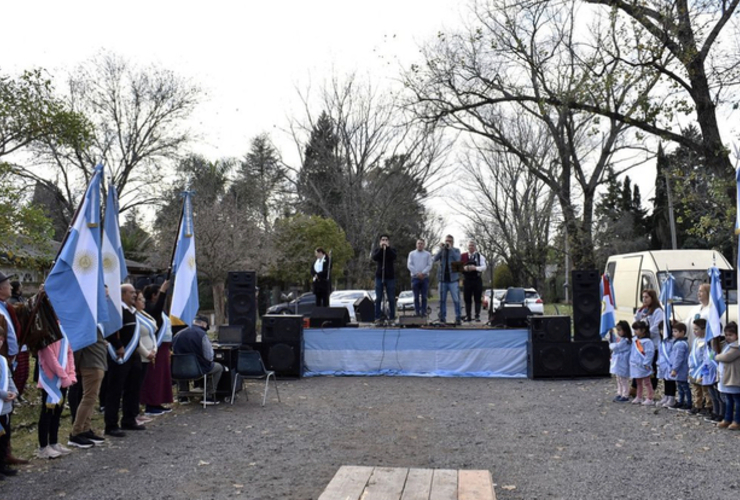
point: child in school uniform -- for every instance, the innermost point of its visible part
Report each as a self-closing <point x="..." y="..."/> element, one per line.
<point x="700" y="395"/>
<point x="8" y="394"/>
<point x="620" y="361"/>
<point x="680" y="365"/>
<point x="729" y="378"/>
<point x="710" y="378"/>
<point x="664" y="370"/>
<point x="641" y="363"/>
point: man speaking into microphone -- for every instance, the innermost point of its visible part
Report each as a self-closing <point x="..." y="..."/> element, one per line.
<point x="385" y="257"/>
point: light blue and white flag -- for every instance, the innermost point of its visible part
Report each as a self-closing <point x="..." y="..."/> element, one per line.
<point x="666" y="298"/>
<point x="75" y="283"/>
<point x="4" y="382"/>
<point x="114" y="265"/>
<point x="716" y="305"/>
<point x="608" y="316"/>
<point x="185" y="302"/>
<point x="53" y="385"/>
<point x="129" y="349"/>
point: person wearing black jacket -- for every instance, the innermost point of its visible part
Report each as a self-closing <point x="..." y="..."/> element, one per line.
<point x="124" y="371"/>
<point x="385" y="278"/>
<point x="321" y="274"/>
<point x="156" y="390"/>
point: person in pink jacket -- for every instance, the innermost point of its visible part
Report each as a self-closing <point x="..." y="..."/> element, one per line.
<point x="57" y="373"/>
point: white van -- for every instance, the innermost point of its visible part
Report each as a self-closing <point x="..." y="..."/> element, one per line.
<point x="632" y="273"/>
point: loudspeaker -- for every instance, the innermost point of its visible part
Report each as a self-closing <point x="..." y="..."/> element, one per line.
<point x="227" y="356"/>
<point x="282" y="327"/>
<point x="284" y="358"/>
<point x="567" y="360"/>
<point x="365" y="310"/>
<point x="586" y="305"/>
<point x="729" y="279"/>
<point x="549" y="328"/>
<point x="242" y="300"/>
<point x="511" y="317"/>
<point x="329" y="317"/>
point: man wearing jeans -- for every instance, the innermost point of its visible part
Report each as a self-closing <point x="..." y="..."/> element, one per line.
<point x="385" y="256"/>
<point x="419" y="264"/>
<point x="448" y="279"/>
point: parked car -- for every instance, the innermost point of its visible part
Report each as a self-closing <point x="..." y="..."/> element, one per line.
<point x="534" y="301"/>
<point x="303" y="305"/>
<point x="515" y="297"/>
<point x="497" y="293"/>
<point x="405" y="301"/>
<point x="347" y="298"/>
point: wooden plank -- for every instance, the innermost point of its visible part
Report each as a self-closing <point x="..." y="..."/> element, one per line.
<point x="418" y="484"/>
<point x="348" y="483"/>
<point x="475" y="485"/>
<point x="444" y="485"/>
<point x="386" y="483"/>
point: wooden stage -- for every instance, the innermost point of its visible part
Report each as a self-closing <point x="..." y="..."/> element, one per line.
<point x="398" y="483"/>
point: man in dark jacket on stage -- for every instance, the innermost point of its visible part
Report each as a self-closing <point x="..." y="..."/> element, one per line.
<point x="385" y="257"/>
<point x="195" y="340"/>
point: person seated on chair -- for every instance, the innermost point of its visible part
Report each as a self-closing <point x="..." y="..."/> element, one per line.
<point x="194" y="340"/>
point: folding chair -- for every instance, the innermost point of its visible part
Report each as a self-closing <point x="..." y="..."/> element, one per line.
<point x="185" y="367"/>
<point x="249" y="365"/>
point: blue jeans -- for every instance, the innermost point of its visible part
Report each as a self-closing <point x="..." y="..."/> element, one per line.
<point x="454" y="289"/>
<point x="420" y="288"/>
<point x="684" y="392"/>
<point x="390" y="291"/>
<point x="732" y="407"/>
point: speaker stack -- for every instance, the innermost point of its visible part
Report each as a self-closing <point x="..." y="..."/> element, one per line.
<point x="550" y="351"/>
<point x="329" y="317"/>
<point x="282" y="344"/>
<point x="242" y="290"/>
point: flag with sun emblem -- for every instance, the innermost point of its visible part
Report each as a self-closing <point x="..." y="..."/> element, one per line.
<point x="114" y="265"/>
<point x="185" y="291"/>
<point x="75" y="283"/>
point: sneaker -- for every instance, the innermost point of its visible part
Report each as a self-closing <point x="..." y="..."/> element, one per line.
<point x="477" y="319"/>
<point x="623" y="399"/>
<point x="648" y="402"/>
<point x="48" y="452"/>
<point x="143" y="420"/>
<point x="163" y="409"/>
<point x="684" y="407"/>
<point x="153" y="412"/>
<point x="458" y="322"/>
<point x="662" y="401"/>
<point x="80" y="441"/>
<point x="695" y="411"/>
<point x="617" y="399"/>
<point x="91" y="436"/>
<point x="210" y="401"/>
<point x="63" y="450"/>
<point x="637" y="401"/>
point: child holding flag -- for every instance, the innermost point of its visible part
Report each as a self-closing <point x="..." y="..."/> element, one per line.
<point x="700" y="395"/>
<point x="620" y="362"/>
<point x="56" y="374"/>
<point x="641" y="363"/>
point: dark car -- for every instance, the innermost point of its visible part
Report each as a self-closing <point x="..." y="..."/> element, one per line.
<point x="305" y="304"/>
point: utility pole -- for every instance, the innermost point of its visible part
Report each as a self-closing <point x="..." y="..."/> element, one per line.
<point x="671" y="220"/>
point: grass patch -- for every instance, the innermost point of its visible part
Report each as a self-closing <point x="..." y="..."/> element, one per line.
<point x="558" y="309"/>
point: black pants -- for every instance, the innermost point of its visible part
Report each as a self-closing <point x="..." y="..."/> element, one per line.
<point x="49" y="420"/>
<point x="4" y="440"/>
<point x="322" y="290"/>
<point x="472" y="291"/>
<point x="670" y="388"/>
<point x="124" y="381"/>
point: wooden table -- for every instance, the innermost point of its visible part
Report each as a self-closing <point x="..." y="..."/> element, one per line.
<point x="399" y="483"/>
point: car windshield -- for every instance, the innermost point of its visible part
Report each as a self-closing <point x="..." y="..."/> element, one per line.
<point x="531" y="294"/>
<point x="407" y="293"/>
<point x="499" y="294"/>
<point x="346" y="295"/>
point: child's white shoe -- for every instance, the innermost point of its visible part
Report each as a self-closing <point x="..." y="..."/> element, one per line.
<point x="670" y="403"/>
<point x="648" y="402"/>
<point x="636" y="401"/>
<point x="47" y="452"/>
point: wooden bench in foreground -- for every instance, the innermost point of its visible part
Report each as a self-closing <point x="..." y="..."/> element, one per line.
<point x="398" y="483"/>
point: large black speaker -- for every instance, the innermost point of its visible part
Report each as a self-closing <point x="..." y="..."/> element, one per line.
<point x="586" y="305"/>
<point x="282" y="327"/>
<point x="365" y="310"/>
<point x="511" y="317"/>
<point x="549" y="328"/>
<point x="329" y="317"/>
<point x="227" y="356"/>
<point x="567" y="360"/>
<point x="729" y="279"/>
<point x="243" y="301"/>
<point x="284" y="358"/>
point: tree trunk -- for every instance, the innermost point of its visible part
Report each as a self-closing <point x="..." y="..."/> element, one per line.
<point x="219" y="302"/>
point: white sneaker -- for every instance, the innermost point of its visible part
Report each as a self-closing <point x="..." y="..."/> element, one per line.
<point x="636" y="401"/>
<point x="648" y="402"/>
<point x="61" y="449"/>
<point x="662" y="401"/>
<point x="48" y="452"/>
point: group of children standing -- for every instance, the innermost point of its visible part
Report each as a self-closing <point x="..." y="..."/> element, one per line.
<point x="709" y="370"/>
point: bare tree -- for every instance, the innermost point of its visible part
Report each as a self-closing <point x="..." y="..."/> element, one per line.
<point x="138" y="116"/>
<point x="367" y="167"/>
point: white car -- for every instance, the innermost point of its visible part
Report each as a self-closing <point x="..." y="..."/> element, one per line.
<point x="533" y="301"/>
<point x="498" y="294"/>
<point x="347" y="298"/>
<point x="405" y="301"/>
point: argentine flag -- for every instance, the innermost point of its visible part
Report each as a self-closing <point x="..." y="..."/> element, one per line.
<point x="716" y="306"/>
<point x="666" y="298"/>
<point x="75" y="283"/>
<point x="114" y="265"/>
<point x="608" y="317"/>
<point x="185" y="291"/>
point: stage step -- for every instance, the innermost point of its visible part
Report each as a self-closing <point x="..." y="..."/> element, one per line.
<point x="397" y="483"/>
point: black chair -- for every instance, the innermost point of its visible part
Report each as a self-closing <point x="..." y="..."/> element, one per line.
<point x="184" y="368"/>
<point x="249" y="365"/>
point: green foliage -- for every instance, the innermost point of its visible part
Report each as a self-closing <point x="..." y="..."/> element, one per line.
<point x="298" y="237"/>
<point x="502" y="277"/>
<point x="29" y="112"/>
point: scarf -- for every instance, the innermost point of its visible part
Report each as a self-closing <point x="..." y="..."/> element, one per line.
<point x="53" y="385"/>
<point x="166" y="325"/>
<point x="4" y="382"/>
<point x="130" y="348"/>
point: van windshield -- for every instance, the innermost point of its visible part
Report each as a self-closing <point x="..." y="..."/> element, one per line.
<point x="687" y="286"/>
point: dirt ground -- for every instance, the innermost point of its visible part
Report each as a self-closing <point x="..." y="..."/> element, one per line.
<point x="540" y="440"/>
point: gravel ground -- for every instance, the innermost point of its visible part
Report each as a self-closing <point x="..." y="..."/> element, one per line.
<point x="540" y="440"/>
